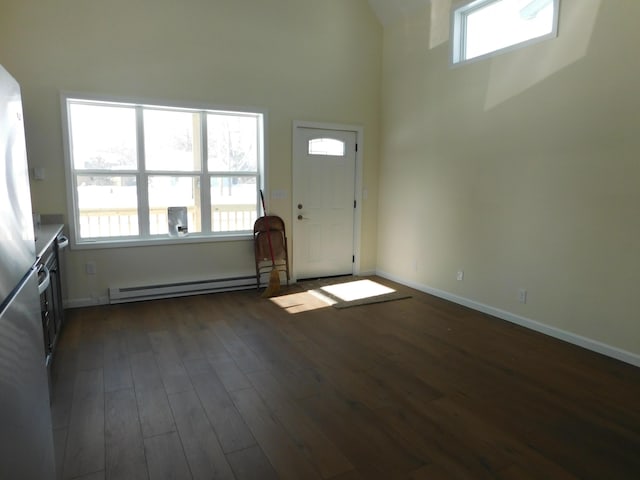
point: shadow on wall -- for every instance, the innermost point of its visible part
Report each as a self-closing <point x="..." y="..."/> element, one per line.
<point x="440" y="22"/>
<point x="575" y="28"/>
<point x="513" y="74"/>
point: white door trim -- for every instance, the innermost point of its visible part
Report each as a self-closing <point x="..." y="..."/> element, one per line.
<point x="357" y="214"/>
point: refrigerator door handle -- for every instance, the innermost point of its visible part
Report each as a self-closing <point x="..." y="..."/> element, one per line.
<point x="44" y="284"/>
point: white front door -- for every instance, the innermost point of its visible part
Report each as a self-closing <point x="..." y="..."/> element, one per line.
<point x="324" y="166"/>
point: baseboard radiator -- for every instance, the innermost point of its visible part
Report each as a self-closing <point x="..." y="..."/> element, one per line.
<point x="179" y="289"/>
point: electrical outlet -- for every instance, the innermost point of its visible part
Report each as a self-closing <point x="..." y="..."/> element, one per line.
<point x="522" y="295"/>
<point x="460" y="275"/>
<point x="90" y="267"/>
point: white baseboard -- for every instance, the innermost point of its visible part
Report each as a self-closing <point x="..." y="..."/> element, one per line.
<point x="85" y="302"/>
<point x="367" y="273"/>
<point x="588" y="343"/>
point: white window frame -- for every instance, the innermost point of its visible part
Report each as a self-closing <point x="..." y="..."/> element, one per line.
<point x="144" y="237"/>
<point x="459" y="13"/>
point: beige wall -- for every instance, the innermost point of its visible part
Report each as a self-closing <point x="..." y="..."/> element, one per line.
<point x="523" y="170"/>
<point x="298" y="59"/>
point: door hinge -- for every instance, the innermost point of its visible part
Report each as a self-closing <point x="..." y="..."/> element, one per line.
<point x="356" y="147"/>
<point x="354" y="204"/>
<point x="353" y="259"/>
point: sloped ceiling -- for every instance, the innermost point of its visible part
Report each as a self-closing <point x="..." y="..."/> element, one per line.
<point x="388" y="11"/>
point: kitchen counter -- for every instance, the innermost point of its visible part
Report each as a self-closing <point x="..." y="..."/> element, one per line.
<point x="47" y="234"/>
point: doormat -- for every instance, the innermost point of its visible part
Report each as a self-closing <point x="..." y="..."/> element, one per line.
<point x="387" y="297"/>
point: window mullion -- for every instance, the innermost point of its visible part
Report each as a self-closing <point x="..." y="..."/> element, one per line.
<point x="142" y="181"/>
<point x="261" y="173"/>
<point x="205" y="182"/>
<point x="463" y="36"/>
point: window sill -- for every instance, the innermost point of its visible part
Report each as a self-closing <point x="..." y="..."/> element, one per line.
<point x="160" y="241"/>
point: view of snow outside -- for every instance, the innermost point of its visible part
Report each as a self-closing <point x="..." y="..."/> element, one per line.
<point x="168" y="141"/>
<point x="103" y="137"/>
<point x="232" y="143"/>
<point x="104" y="142"/>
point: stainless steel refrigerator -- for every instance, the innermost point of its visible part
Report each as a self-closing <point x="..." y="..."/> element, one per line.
<point x="26" y="437"/>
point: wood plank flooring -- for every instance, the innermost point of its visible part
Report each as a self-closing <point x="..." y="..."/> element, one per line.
<point x="234" y="386"/>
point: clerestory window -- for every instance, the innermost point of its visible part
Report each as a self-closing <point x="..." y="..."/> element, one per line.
<point x="485" y="27"/>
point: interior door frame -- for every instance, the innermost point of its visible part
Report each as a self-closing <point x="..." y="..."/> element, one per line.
<point x="357" y="214"/>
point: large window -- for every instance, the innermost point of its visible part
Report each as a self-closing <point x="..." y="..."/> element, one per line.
<point x="484" y="27"/>
<point x="130" y="165"/>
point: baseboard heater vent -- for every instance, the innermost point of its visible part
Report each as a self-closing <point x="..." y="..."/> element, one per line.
<point x="179" y="289"/>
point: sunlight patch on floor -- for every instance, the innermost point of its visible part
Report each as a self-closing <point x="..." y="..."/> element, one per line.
<point x="303" y="301"/>
<point x="326" y="296"/>
<point x="357" y="290"/>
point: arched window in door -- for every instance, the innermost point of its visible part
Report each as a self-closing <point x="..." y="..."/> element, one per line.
<point x="326" y="146"/>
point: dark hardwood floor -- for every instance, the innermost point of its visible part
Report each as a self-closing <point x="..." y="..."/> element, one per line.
<point x="231" y="385"/>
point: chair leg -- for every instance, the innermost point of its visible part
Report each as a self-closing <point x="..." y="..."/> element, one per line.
<point x="255" y="256"/>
